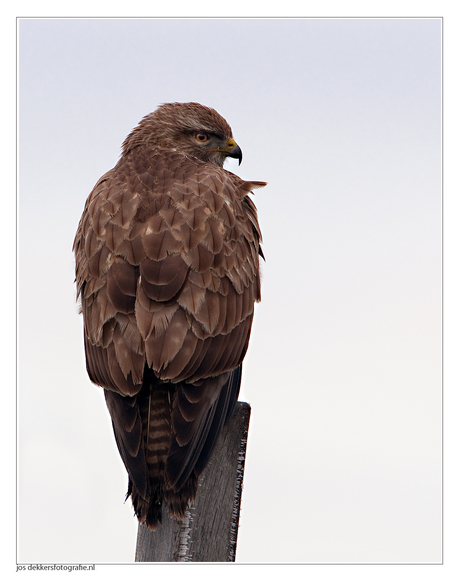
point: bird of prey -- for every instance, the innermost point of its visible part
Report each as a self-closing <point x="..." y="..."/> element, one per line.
<point x="167" y="271"/>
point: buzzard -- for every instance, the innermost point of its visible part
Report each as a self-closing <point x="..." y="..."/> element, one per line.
<point x="167" y="272"/>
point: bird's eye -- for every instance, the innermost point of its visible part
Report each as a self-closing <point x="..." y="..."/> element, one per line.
<point x="202" y="137"/>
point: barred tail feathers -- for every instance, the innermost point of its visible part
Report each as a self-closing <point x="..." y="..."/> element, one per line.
<point x="155" y="412"/>
<point x="165" y="435"/>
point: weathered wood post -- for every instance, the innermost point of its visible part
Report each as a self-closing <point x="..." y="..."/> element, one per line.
<point x="209" y="531"/>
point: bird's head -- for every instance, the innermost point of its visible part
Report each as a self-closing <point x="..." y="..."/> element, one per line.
<point x="190" y="128"/>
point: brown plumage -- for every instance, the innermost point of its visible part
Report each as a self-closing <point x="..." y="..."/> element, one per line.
<point x="167" y="270"/>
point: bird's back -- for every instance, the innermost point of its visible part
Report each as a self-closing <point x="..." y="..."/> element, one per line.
<point x="167" y="269"/>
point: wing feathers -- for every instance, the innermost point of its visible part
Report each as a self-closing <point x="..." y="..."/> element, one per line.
<point x="194" y="438"/>
<point x="167" y="255"/>
<point x="127" y="426"/>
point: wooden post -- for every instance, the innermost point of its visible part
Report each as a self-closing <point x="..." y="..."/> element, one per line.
<point x="210" y="529"/>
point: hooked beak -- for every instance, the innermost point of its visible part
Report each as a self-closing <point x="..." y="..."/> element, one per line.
<point x="233" y="150"/>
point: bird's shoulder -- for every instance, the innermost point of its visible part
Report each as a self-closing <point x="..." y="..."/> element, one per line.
<point x="169" y="201"/>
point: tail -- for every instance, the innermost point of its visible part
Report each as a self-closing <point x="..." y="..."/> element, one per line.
<point x="142" y="427"/>
<point x="165" y="435"/>
<point x="154" y="403"/>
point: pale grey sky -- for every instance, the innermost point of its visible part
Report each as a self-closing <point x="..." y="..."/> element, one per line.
<point x="342" y="118"/>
